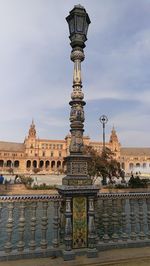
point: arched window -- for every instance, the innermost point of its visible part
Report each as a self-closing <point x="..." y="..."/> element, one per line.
<point x="138" y="165"/>
<point x="144" y="165"/>
<point x="52" y="164"/>
<point x="1" y="163"/>
<point x="16" y="164"/>
<point x="28" y="164"/>
<point x="9" y="163"/>
<point x="131" y="165"/>
<point x="47" y="163"/>
<point x="58" y="164"/>
<point x="41" y="163"/>
<point x="35" y="164"/>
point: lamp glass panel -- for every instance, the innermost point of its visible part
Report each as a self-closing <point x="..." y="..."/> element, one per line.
<point x="80" y="23"/>
<point x="85" y="28"/>
<point x="71" y="25"/>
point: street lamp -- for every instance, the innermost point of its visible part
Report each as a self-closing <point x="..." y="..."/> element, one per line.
<point x="103" y="119"/>
<point x="78" y="21"/>
<point x="77" y="188"/>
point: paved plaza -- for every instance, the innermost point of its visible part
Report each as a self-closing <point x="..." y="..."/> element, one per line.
<point x="117" y="257"/>
<point x="40" y="179"/>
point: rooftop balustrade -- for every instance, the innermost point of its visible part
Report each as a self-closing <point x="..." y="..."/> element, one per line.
<point x="33" y="225"/>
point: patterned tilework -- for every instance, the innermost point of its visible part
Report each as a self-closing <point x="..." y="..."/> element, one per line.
<point x="79" y="222"/>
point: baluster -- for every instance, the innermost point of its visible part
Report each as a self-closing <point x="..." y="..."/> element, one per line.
<point x="91" y="225"/>
<point x="123" y="220"/>
<point x="133" y="234"/>
<point x="92" y="251"/>
<point x="68" y="226"/>
<point x="56" y="224"/>
<point x="62" y="222"/>
<point x="141" y="219"/>
<point x="105" y="217"/>
<point x="115" y="220"/>
<point x="32" y="243"/>
<point x="97" y="220"/>
<point x="21" y="226"/>
<point x="9" y="228"/>
<point x="44" y="224"/>
<point x="148" y="217"/>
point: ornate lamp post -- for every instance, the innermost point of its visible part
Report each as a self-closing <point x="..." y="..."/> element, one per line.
<point x="103" y="119"/>
<point x="77" y="189"/>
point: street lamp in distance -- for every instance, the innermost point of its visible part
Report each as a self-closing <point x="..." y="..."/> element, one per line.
<point x="103" y="119"/>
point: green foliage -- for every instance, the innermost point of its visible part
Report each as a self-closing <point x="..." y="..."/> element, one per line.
<point x="121" y="186"/>
<point x="102" y="164"/>
<point x="43" y="187"/>
<point x="136" y="182"/>
<point x="26" y="180"/>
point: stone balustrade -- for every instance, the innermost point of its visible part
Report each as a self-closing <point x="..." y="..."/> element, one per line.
<point x="33" y="225"/>
<point x="30" y="226"/>
<point x="123" y="220"/>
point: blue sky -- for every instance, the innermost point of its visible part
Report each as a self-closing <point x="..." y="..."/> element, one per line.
<point x="36" y="71"/>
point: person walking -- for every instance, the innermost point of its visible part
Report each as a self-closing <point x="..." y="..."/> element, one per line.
<point x="1" y="179"/>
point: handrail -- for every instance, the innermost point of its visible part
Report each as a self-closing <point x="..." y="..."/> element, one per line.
<point x="39" y="197"/>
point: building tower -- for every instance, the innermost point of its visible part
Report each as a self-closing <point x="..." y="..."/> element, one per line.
<point x="114" y="143"/>
<point x="32" y="131"/>
<point x="31" y="141"/>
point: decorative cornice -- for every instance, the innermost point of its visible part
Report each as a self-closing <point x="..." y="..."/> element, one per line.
<point x="8" y="198"/>
<point x="18" y="198"/>
<point x="126" y="195"/>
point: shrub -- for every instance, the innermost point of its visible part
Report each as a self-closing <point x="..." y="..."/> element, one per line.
<point x="43" y="187"/>
<point x="121" y="186"/>
<point x="26" y="180"/>
<point x="136" y="182"/>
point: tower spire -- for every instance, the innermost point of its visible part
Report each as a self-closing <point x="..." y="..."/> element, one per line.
<point x="32" y="130"/>
<point x="113" y="136"/>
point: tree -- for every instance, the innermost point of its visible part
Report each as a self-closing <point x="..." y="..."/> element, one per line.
<point x="103" y="164"/>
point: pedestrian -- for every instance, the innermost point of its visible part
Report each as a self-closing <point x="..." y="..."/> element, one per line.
<point x="1" y="179"/>
<point x="6" y="183"/>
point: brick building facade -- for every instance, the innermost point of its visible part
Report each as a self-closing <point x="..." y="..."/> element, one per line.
<point x="46" y="156"/>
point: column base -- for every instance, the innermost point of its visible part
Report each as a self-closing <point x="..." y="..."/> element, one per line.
<point x="92" y="253"/>
<point x="68" y="255"/>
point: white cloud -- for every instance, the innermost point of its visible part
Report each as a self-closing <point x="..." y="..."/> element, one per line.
<point x="36" y="72"/>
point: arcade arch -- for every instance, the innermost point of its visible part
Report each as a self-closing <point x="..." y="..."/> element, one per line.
<point x="28" y="164"/>
<point x="34" y="164"/>
<point x="9" y="163"/>
<point x="1" y="163"/>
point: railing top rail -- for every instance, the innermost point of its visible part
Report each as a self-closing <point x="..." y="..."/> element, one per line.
<point x="39" y="197"/>
<point x="52" y="197"/>
<point x="124" y="195"/>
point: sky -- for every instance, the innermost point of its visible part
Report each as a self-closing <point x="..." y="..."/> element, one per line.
<point x="36" y="71"/>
